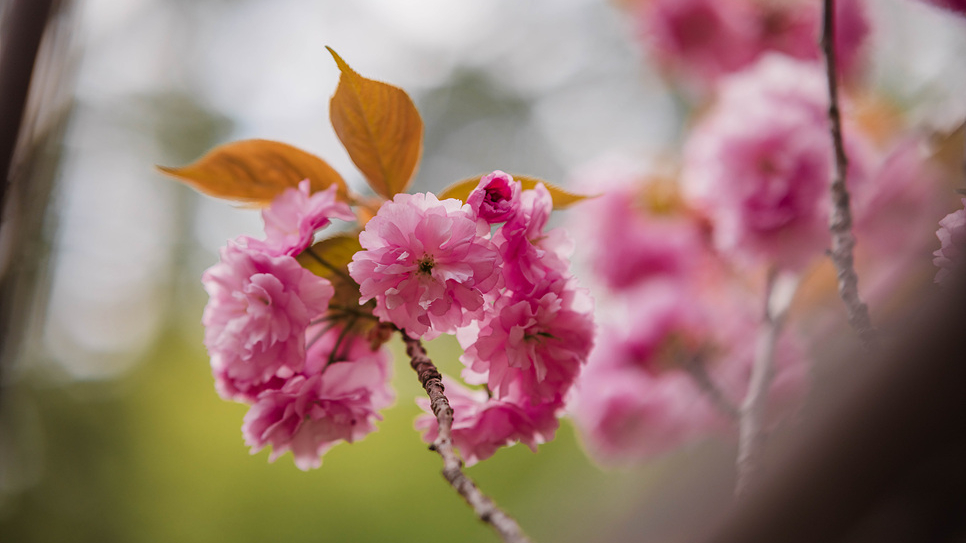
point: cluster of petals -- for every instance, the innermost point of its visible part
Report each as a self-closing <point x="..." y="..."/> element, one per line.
<point x="951" y="255"/>
<point x="310" y="385"/>
<point x="532" y="333"/>
<point x="531" y="256"/>
<point x="336" y="398"/>
<point x="296" y="214"/>
<point x="638" y="398"/>
<point x="259" y="308"/>
<point x="482" y="424"/>
<point x="535" y="343"/>
<point x="761" y="162"/>
<point x="700" y="41"/>
<point x="426" y="264"/>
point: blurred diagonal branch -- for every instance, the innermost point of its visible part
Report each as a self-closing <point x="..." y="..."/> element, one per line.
<point x="485" y="509"/>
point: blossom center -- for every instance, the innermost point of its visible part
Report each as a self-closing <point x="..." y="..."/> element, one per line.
<point x="424" y="266"/>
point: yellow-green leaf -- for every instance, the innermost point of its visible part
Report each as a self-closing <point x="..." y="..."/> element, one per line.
<point x="255" y="171"/>
<point x="379" y="126"/>
<point x="562" y="199"/>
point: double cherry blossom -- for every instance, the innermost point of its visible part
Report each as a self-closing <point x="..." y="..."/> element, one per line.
<point x="487" y="271"/>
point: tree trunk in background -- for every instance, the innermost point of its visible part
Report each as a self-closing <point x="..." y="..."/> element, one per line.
<point x="37" y="67"/>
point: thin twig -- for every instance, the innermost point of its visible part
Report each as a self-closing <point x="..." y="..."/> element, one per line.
<point x="699" y="373"/>
<point x="339" y="310"/>
<point x="334" y="269"/>
<point x="485" y="509"/>
<point x="840" y="221"/>
<point x="751" y="433"/>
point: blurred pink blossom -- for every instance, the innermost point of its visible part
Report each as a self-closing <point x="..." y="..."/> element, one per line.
<point x="496" y="198"/>
<point x="294" y="216"/>
<point x="259" y="308"/>
<point x="951" y="255"/>
<point x="793" y="27"/>
<point x="426" y="264"/>
<point x="626" y="242"/>
<point x="637" y="398"/>
<point x="482" y="424"/>
<point x="760" y="164"/>
<point x="957" y="6"/>
<point x="700" y="41"/>
<point x="312" y="412"/>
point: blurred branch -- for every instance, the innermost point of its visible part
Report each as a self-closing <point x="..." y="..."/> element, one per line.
<point x="36" y="82"/>
<point x="840" y="222"/>
<point x="21" y="32"/>
<point x="751" y="434"/>
<point x="698" y="371"/>
<point x="485" y="509"/>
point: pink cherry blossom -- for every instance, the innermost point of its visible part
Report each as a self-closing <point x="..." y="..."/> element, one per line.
<point x="536" y="343"/>
<point x="313" y="411"/>
<point x="259" y="308"/>
<point x="426" y="264"/>
<point x="294" y="216"/>
<point x="481" y="425"/>
<point x="532" y="257"/>
<point x="951" y="255"/>
<point x="496" y="198"/>
<point x="760" y="164"/>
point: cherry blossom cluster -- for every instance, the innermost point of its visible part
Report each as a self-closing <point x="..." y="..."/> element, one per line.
<point x="689" y="253"/>
<point x="310" y="383"/>
<point x="489" y="272"/>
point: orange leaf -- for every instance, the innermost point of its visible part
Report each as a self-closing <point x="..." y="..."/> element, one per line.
<point x="255" y="171"/>
<point x="562" y="199"/>
<point x="379" y="126"/>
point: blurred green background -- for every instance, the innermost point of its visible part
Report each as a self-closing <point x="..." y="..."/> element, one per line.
<point x="159" y="457"/>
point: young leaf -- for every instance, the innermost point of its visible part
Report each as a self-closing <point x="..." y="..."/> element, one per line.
<point x="255" y="171"/>
<point x="562" y="199"/>
<point x="379" y="126"/>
